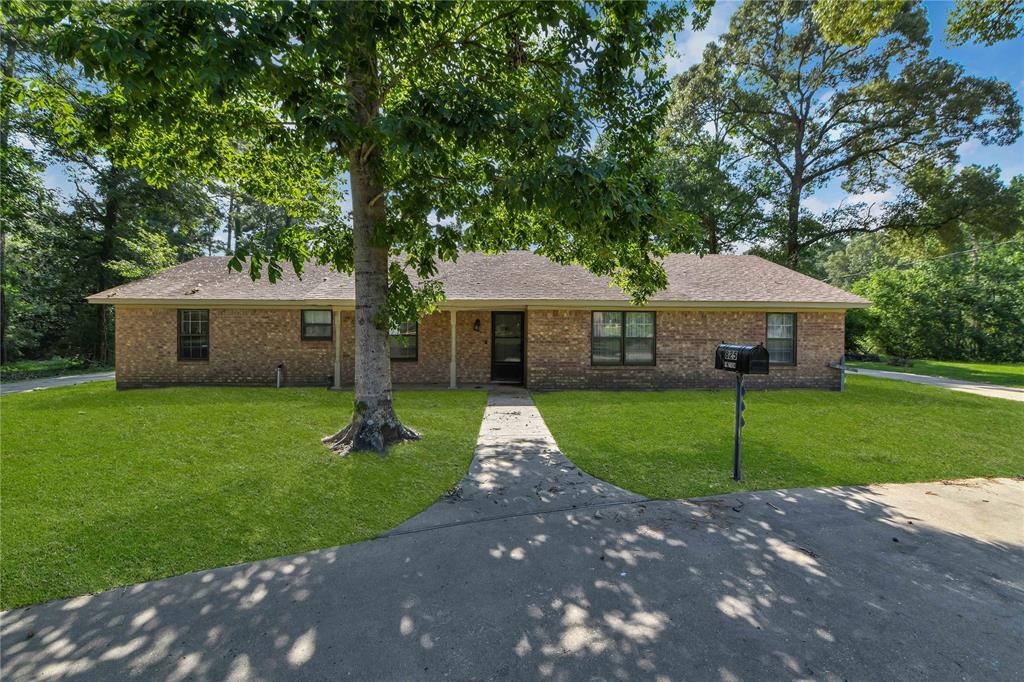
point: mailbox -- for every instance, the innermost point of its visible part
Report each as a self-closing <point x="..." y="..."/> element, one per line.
<point x="742" y="359"/>
<point x="745" y="359"/>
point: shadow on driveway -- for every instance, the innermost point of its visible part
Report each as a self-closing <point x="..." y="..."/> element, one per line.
<point x="896" y="581"/>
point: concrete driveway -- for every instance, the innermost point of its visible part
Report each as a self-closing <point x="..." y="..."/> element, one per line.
<point x="534" y="570"/>
<point x="52" y="382"/>
<point x="975" y="387"/>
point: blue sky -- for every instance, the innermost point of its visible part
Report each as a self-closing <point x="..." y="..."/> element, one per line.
<point x="1004" y="61"/>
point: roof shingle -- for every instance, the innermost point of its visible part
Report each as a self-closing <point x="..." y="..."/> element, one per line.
<point x="513" y="276"/>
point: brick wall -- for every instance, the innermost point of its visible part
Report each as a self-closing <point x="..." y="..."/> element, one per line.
<point x="431" y="365"/>
<point x="247" y="344"/>
<point x="558" y="346"/>
<point x="473" y="348"/>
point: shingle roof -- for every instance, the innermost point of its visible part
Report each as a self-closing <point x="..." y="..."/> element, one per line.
<point x="513" y="276"/>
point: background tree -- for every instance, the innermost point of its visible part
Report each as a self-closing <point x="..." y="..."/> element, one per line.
<point x="959" y="208"/>
<point x="121" y="228"/>
<point x="704" y="167"/>
<point x="114" y="227"/>
<point x="857" y="23"/>
<point x="28" y="212"/>
<point x="457" y="125"/>
<point x="858" y="258"/>
<point x="948" y="286"/>
<point x="965" y="306"/>
<point x="863" y="116"/>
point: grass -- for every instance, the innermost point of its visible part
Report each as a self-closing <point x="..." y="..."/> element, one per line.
<point x="677" y="444"/>
<point x="37" y="369"/>
<point x="103" y="488"/>
<point x="1005" y="374"/>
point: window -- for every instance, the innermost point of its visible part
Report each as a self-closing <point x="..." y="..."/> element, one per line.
<point x="317" y="324"/>
<point x="622" y="338"/>
<point x="193" y="334"/>
<point x="403" y="341"/>
<point x="782" y="338"/>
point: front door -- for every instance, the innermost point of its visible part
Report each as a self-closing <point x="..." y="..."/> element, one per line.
<point x="507" y="347"/>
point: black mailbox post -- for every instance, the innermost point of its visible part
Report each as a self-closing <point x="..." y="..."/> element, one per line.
<point x="742" y="359"/>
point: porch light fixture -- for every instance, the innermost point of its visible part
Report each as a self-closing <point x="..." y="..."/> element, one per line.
<point x="476" y="325"/>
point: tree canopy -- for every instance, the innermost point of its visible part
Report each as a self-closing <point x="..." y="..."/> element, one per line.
<point x="485" y="113"/>
<point x="963" y="305"/>
<point x="706" y="168"/>
<point x="109" y="225"/>
<point x="863" y="116"/>
<point x="949" y="287"/>
<point x="474" y="125"/>
<point x="857" y="23"/>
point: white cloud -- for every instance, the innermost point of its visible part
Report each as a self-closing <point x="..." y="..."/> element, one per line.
<point x="816" y="205"/>
<point x="820" y="204"/>
<point x="691" y="44"/>
<point x="871" y="197"/>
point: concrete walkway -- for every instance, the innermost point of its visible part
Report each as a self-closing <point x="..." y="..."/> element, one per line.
<point x="517" y="469"/>
<point x="534" y="570"/>
<point x="51" y="382"/>
<point x="975" y="387"/>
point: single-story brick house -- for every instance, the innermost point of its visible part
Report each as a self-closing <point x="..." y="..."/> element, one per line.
<point x="515" y="317"/>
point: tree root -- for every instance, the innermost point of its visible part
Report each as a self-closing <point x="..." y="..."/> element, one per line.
<point x="370" y="432"/>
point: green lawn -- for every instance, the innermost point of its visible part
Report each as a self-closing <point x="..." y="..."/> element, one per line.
<point x="1006" y="374"/>
<point x="102" y="488"/>
<point x="674" y="444"/>
<point x="36" y="369"/>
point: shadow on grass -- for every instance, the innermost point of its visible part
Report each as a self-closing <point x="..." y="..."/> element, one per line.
<point x="830" y="584"/>
<point x="102" y="488"/>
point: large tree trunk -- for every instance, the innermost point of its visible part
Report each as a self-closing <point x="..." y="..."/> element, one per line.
<point x="796" y="188"/>
<point x="793" y="245"/>
<point x="711" y="229"/>
<point x="5" y="135"/>
<point x="231" y="222"/>
<point x="106" y="254"/>
<point x="374" y="424"/>
<point x="793" y="228"/>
